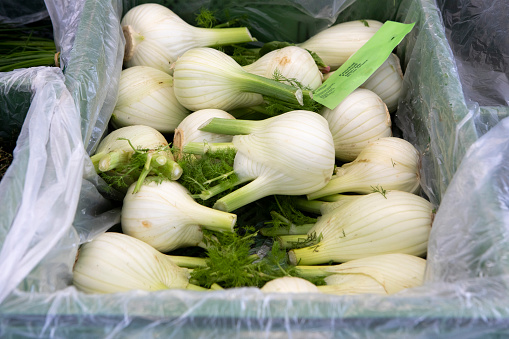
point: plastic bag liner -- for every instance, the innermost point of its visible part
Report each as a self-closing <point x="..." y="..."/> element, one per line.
<point x="464" y="168"/>
<point x="22" y="12"/>
<point x="477" y="33"/>
<point x="40" y="189"/>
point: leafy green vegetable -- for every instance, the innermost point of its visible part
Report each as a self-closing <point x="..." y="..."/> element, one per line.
<point x="199" y="174"/>
<point x="127" y="171"/>
<point x="205" y="18"/>
<point x="242" y="55"/>
<point x="285" y="214"/>
<point x="230" y="262"/>
<point x="21" y="48"/>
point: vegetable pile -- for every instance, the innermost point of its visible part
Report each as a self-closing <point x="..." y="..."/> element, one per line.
<point x="233" y="176"/>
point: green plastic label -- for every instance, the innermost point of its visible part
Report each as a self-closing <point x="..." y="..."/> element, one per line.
<point x="359" y="67"/>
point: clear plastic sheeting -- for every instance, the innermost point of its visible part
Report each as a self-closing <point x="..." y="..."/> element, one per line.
<point x="22" y="12"/>
<point x="464" y="147"/>
<point x="91" y="42"/>
<point x="477" y="31"/>
<point x="40" y="189"/>
<point x="89" y="36"/>
<point x="479" y="219"/>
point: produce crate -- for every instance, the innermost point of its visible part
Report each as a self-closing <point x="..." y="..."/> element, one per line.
<point x="465" y="291"/>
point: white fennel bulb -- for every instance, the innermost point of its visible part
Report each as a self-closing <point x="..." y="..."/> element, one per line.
<point x="289" y="285"/>
<point x="165" y="216"/>
<point x="392" y="222"/>
<point x="140" y="136"/>
<point x="387" y="163"/>
<point x="337" y="43"/>
<point x="155" y="36"/>
<point x="115" y="262"/>
<point x="360" y="118"/>
<point x="388" y="273"/>
<point x="187" y="131"/>
<point x="289" y="154"/>
<point x="208" y="78"/>
<point x="387" y="82"/>
<point x="145" y="97"/>
<point x="290" y="62"/>
<point x="117" y="150"/>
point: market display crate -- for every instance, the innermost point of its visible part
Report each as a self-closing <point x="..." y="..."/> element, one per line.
<point x="51" y="202"/>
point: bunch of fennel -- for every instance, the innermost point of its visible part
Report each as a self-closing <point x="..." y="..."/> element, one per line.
<point x="333" y="46"/>
<point x="130" y="153"/>
<point x="156" y="37"/>
<point x="146" y="97"/>
<point x="360" y="118"/>
<point x="378" y="274"/>
<point x="391" y="163"/>
<point x="337" y="43"/>
<point x="289" y="154"/>
<point x="290" y="62"/>
<point x="165" y="216"/>
<point x="115" y="262"/>
<point x="376" y="223"/>
<point x="207" y="78"/>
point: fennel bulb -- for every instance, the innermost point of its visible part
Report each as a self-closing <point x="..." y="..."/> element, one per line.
<point x="208" y="78"/>
<point x="392" y="222"/>
<point x="145" y="97"/>
<point x="384" y="273"/>
<point x="122" y="152"/>
<point x="337" y="43"/>
<point x="166" y="217"/>
<point x="289" y="285"/>
<point x="187" y="131"/>
<point x="385" y="164"/>
<point x="115" y="262"/>
<point x="156" y="37"/>
<point x="290" y="62"/>
<point x="386" y="82"/>
<point x="140" y="136"/>
<point x="360" y="118"/>
<point x="289" y="154"/>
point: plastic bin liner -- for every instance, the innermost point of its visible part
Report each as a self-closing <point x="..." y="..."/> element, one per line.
<point x="464" y="168"/>
<point x="22" y="12"/>
<point x="41" y="187"/>
<point x="477" y="33"/>
<point x="93" y="65"/>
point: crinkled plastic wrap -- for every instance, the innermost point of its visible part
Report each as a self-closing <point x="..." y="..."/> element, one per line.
<point x="22" y="12"/>
<point x="465" y="168"/>
<point x="15" y="96"/>
<point x="477" y="33"/>
<point x="40" y="189"/>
